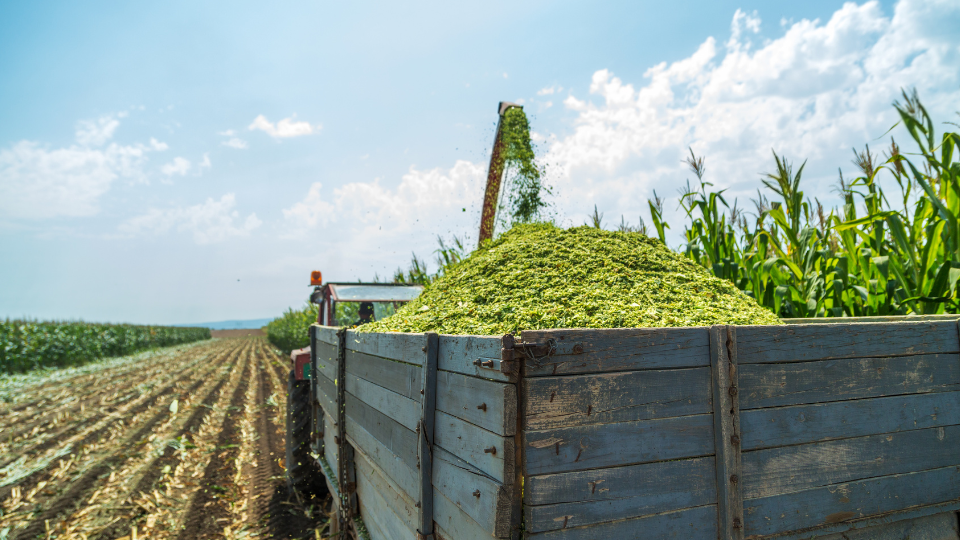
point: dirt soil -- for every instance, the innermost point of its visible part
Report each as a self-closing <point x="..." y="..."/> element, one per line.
<point x="187" y="445"/>
<point x="237" y="333"/>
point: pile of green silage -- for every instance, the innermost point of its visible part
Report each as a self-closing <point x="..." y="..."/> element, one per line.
<point x="540" y="276"/>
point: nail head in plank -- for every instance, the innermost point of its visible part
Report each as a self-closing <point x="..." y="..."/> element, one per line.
<point x="473" y="445"/>
<point x="454" y="522"/>
<point x="487" y="404"/>
<point x="480" y="497"/>
<point x="726" y="414"/>
<point x="459" y="354"/>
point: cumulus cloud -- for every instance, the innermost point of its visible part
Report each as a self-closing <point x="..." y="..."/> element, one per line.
<point x="814" y="92"/>
<point x="235" y="142"/>
<point x="180" y="166"/>
<point x="286" y="128"/>
<point x="37" y="182"/>
<point x="209" y="222"/>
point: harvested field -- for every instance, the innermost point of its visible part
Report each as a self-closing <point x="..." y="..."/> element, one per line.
<point x="185" y="442"/>
<point x="238" y="333"/>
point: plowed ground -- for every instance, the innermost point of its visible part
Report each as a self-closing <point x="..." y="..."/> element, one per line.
<point x="184" y="444"/>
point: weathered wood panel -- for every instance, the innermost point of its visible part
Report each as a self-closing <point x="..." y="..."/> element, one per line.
<point x="425" y="436"/>
<point x="480" y="497"/>
<point x="844" y="502"/>
<point x="621" y="349"/>
<point x="782" y="426"/>
<point x="874" y="319"/>
<point x="691" y="524"/>
<point x="383" y="501"/>
<point x="553" y="402"/>
<point x="726" y="425"/>
<point x="398" y="439"/>
<point x="408" y="348"/>
<point x="327" y="334"/>
<point x="776" y="385"/>
<point x="458" y="354"/>
<point x="801" y="343"/>
<point x="774" y="471"/>
<point x="326" y="358"/>
<point x="613" y="445"/>
<point x="398" y="377"/>
<point x="330" y="445"/>
<point x="489" y="452"/>
<point x="453" y="523"/>
<point x="941" y="526"/>
<point x="394" y="467"/>
<point x="581" y="498"/>
<point x="487" y="404"/>
<point x="326" y="394"/>
<point x="400" y="408"/>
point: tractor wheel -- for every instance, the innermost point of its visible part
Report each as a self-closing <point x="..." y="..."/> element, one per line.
<point x="302" y="473"/>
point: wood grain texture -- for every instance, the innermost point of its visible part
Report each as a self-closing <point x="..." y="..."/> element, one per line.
<point x="942" y="526"/>
<point x="458" y="354"/>
<point x="839" y="503"/>
<point x="468" y="442"/>
<point x="326" y="393"/>
<point x="621" y="349"/>
<point x="398" y="439"/>
<point x="378" y="495"/>
<point x="691" y="524"/>
<point x="803" y="343"/>
<point x="425" y="434"/>
<point x="600" y="495"/>
<point x="487" y="404"/>
<point x="391" y="465"/>
<point x="726" y="422"/>
<point x="800" y="424"/>
<point x="329" y="445"/>
<point x="326" y="360"/>
<point x="614" y="445"/>
<point x="398" y="377"/>
<point x="393" y="346"/>
<point x="327" y="334"/>
<point x="553" y="402"/>
<point x="480" y="497"/>
<point x="778" y="385"/>
<point x="454" y="523"/>
<point x="775" y="471"/>
<point x="876" y="319"/>
<point x="400" y="408"/>
<point x="872" y="522"/>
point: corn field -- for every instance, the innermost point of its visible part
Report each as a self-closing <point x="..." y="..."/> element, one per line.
<point x="27" y="345"/>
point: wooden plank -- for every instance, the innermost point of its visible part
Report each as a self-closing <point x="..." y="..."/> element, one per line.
<point x="774" y="471"/>
<point x="614" y="445"/>
<point x="872" y="522"/>
<point x="326" y="359"/>
<point x="381" y="499"/>
<point x="426" y="436"/>
<point x="481" y="498"/>
<point x="487" y="404"/>
<point x="581" y="498"/>
<point x="777" y="385"/>
<point x="690" y="524"/>
<point x="877" y="319"/>
<point x="454" y="523"/>
<point x="327" y="334"/>
<point x="800" y="424"/>
<point x="726" y="425"/>
<point x="398" y="439"/>
<point x="398" y="377"/>
<point x="326" y="393"/>
<point x="400" y="408"/>
<point x="839" y="503"/>
<point x="803" y="343"/>
<point x="473" y="444"/>
<point x="553" y="402"/>
<point x="399" y="347"/>
<point x="329" y="445"/>
<point x="392" y="466"/>
<point x="458" y="354"/>
<point x="621" y="349"/>
<point x="942" y="526"/>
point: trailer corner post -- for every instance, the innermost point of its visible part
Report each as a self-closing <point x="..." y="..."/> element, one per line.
<point x="726" y="415"/>
<point x="346" y="473"/>
<point x="425" y="440"/>
<point x="316" y="444"/>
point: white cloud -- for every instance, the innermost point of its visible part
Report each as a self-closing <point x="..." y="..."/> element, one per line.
<point x="283" y="129"/>
<point x="179" y="166"/>
<point x="209" y="222"/>
<point x="227" y="133"/>
<point x="235" y="142"/>
<point x="550" y="90"/>
<point x="815" y="92"/>
<point x="205" y="164"/>
<point x="37" y="182"/>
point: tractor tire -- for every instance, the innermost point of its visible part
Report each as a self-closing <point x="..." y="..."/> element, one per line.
<point x="303" y="474"/>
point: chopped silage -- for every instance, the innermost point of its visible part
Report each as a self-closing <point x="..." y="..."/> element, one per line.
<point x="540" y="276"/>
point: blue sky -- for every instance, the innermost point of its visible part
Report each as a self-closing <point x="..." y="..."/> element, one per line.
<point x="177" y="162"/>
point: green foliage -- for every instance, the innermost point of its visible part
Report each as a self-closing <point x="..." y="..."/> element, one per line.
<point x="540" y="276"/>
<point x="522" y="196"/>
<point x="871" y="257"/>
<point x="290" y="331"/>
<point x="27" y="345"/>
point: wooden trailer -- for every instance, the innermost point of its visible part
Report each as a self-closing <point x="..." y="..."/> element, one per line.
<point x="849" y="430"/>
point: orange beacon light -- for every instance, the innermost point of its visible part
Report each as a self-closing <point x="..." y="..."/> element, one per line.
<point x="316" y="278"/>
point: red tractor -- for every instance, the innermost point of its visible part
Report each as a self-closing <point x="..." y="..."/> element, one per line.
<point x="344" y="305"/>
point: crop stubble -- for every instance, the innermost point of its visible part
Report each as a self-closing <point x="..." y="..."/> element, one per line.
<point x="117" y="461"/>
